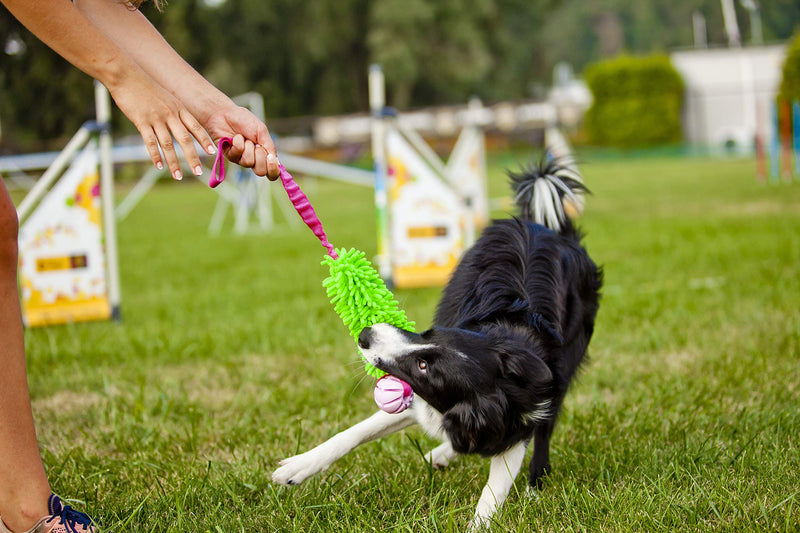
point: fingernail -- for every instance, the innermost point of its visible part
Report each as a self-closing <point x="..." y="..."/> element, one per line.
<point x="160" y="165"/>
<point x="198" y="170"/>
<point x="178" y="175"/>
<point x="211" y="150"/>
<point x="271" y="159"/>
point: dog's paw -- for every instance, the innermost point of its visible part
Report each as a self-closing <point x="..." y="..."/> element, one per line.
<point x="295" y="470"/>
<point x="532" y="493"/>
<point x="478" y="524"/>
<point x="441" y="456"/>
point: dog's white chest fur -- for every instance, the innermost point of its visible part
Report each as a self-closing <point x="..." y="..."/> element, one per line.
<point x="428" y="418"/>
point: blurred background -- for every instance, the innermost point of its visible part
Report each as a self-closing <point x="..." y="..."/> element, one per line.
<point x="229" y="357"/>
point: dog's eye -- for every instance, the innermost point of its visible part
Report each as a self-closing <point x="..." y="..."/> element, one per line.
<point x="423" y="365"/>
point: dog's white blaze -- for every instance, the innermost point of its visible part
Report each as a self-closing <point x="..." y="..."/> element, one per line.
<point x="388" y="342"/>
<point x="540" y="414"/>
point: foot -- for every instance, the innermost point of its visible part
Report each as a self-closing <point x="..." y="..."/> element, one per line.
<point x="61" y="519"/>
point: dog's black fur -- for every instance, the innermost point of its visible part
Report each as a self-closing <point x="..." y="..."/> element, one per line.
<point x="511" y="330"/>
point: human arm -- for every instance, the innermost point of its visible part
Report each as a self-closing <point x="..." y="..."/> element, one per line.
<point x="134" y="34"/>
<point x="157" y="112"/>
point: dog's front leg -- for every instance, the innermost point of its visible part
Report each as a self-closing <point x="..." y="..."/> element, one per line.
<point x="297" y="469"/>
<point x="441" y="456"/>
<point x="502" y="472"/>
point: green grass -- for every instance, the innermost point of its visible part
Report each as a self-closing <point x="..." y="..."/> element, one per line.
<point x="229" y="357"/>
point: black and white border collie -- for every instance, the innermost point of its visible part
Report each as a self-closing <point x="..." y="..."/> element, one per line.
<point x="510" y="331"/>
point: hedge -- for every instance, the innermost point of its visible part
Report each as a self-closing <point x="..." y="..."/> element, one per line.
<point x="637" y="102"/>
<point x="790" y="84"/>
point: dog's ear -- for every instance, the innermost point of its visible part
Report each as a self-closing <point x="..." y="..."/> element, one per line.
<point x="547" y="329"/>
<point x="527" y="366"/>
<point x="470" y="425"/>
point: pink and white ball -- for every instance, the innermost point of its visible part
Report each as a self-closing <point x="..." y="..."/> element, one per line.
<point x="393" y="395"/>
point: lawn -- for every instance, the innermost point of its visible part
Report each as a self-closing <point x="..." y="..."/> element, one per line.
<point x="229" y="357"/>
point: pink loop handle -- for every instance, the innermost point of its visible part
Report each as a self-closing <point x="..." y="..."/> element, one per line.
<point x="296" y="196"/>
<point x="218" y="170"/>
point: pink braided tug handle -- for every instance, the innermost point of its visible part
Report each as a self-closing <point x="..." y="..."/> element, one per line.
<point x="305" y="210"/>
<point x="296" y="196"/>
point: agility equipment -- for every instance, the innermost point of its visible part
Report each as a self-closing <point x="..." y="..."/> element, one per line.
<point x="428" y="211"/>
<point x="355" y="288"/>
<point x="67" y="239"/>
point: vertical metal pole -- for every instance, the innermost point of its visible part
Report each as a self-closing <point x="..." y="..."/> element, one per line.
<point x="761" y="155"/>
<point x="796" y="137"/>
<point x="749" y="90"/>
<point x="377" y="102"/>
<point x="102" y="102"/>
<point x="774" y="143"/>
<point x="731" y="24"/>
<point x="786" y="139"/>
<point x="700" y="32"/>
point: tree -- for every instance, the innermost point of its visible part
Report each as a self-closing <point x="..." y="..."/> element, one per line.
<point x="43" y="96"/>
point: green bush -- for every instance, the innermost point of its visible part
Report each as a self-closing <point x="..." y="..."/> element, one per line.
<point x="637" y="102"/>
<point x="790" y="84"/>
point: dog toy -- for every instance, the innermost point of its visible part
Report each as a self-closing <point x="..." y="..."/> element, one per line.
<point x="393" y="395"/>
<point x="354" y="287"/>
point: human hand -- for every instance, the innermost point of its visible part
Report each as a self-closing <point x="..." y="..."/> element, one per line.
<point x="160" y="118"/>
<point x="252" y="145"/>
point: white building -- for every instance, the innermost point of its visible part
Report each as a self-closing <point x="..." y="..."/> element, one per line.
<point x="729" y="91"/>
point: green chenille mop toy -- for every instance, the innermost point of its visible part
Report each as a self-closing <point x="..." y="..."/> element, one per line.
<point x="355" y="288"/>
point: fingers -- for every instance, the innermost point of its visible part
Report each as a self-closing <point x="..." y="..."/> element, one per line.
<point x="182" y="129"/>
<point x="260" y="166"/>
<point x="197" y="131"/>
<point x="250" y="155"/>
<point x="168" y="149"/>
<point x="266" y="163"/>
<point x="273" y="166"/>
<point x="238" y="151"/>
<point x="151" y="144"/>
<point x="265" y="141"/>
<point x="186" y="141"/>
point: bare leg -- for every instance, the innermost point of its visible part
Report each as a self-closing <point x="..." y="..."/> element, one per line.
<point x="24" y="488"/>
<point x="503" y="471"/>
<point x="297" y="469"/>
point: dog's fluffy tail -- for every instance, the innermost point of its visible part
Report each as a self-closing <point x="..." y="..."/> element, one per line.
<point x="548" y="192"/>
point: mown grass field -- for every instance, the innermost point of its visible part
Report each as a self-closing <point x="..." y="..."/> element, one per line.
<point x="229" y="357"/>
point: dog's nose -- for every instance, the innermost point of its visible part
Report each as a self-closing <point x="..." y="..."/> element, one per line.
<point x="364" y="338"/>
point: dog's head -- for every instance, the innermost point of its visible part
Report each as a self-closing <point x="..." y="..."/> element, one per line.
<point x="482" y="382"/>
